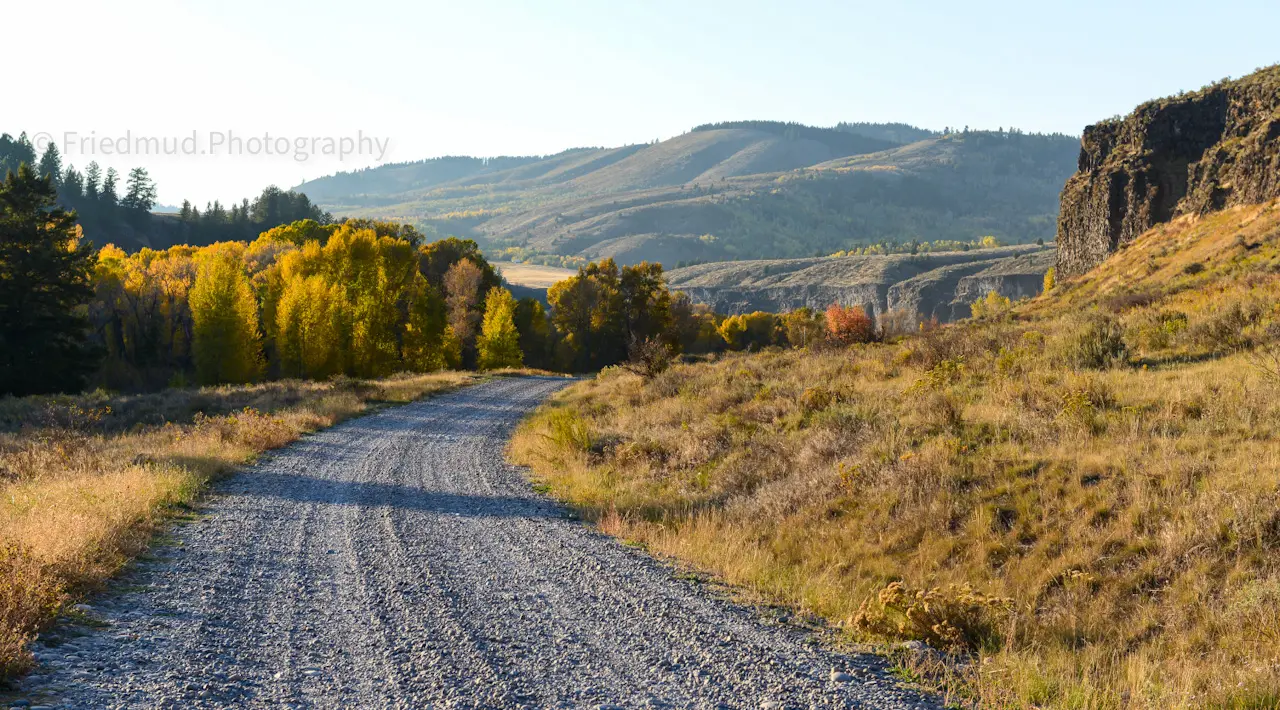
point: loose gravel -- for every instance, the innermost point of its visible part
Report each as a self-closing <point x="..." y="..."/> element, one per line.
<point x="397" y="561"/>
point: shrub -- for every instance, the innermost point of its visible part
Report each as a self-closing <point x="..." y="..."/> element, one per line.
<point x="815" y="399"/>
<point x="1224" y="329"/>
<point x="1158" y="330"/>
<point x="1099" y="343"/>
<point x="648" y="358"/>
<point x="939" y="376"/>
<point x="29" y="598"/>
<point x="750" y="331"/>
<point x="804" y="327"/>
<point x="991" y="307"/>
<point x="847" y="325"/>
<point x="957" y="618"/>
<point x="898" y="322"/>
<point x="1126" y="300"/>
<point x="568" y="431"/>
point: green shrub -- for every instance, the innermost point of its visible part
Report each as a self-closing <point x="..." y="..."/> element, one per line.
<point x="992" y="306"/>
<point x="1099" y="343"/>
<point x="568" y="431"/>
<point x="1224" y="329"/>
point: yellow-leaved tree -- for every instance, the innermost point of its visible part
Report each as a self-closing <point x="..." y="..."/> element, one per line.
<point x="225" y="317"/>
<point x="499" y="343"/>
<point x="313" y="327"/>
<point x="424" y="337"/>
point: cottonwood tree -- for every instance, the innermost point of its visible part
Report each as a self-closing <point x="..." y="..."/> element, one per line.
<point x="225" y="315"/>
<point x="462" y="284"/>
<point x="499" y="343"/>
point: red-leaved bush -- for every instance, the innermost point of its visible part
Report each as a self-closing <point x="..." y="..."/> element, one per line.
<point x="847" y="325"/>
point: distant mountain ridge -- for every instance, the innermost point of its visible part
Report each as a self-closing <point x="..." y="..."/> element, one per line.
<point x="742" y="189"/>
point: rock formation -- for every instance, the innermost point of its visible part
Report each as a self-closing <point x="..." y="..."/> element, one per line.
<point x="940" y="285"/>
<point x="1194" y="153"/>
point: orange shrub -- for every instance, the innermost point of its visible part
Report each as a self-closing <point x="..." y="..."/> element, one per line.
<point x="847" y="325"/>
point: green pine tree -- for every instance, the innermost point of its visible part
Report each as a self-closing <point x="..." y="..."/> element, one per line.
<point x="108" y="194"/>
<point x="92" y="180"/>
<point x="51" y="165"/>
<point x="140" y="194"/>
<point x="44" y="286"/>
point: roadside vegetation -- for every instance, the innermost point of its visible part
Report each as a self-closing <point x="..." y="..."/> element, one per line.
<point x="85" y="480"/>
<point x="1072" y="501"/>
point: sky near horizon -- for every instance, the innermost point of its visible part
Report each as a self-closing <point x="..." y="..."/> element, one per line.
<point x="502" y="77"/>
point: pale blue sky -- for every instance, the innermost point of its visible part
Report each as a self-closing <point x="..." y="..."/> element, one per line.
<point x="505" y="77"/>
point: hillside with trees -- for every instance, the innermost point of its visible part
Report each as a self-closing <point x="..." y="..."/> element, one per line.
<point x="745" y="189"/>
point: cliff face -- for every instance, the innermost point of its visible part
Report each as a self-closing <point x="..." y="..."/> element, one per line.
<point x="929" y="285"/>
<point x="1195" y="153"/>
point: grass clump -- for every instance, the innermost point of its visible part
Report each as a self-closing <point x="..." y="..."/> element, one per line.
<point x="1097" y="343"/>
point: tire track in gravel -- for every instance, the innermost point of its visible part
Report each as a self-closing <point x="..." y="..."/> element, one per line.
<point x="396" y="560"/>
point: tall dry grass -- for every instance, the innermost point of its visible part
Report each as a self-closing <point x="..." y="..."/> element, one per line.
<point x="85" y="480"/>
<point x="1077" y="504"/>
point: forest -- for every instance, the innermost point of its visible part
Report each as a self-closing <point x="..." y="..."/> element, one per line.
<point x="311" y="300"/>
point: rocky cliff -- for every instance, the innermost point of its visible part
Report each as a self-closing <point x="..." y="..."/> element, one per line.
<point x="938" y="285"/>
<point x="1193" y="153"/>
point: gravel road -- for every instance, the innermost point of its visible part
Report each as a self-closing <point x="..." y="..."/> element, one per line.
<point x="397" y="561"/>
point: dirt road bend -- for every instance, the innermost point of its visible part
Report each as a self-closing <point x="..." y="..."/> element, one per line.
<point x="397" y="561"/>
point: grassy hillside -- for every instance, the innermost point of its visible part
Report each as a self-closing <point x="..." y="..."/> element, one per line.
<point x="738" y="190"/>
<point x="1073" y="501"/>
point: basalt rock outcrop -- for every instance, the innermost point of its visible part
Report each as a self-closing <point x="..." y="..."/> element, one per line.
<point x="940" y="285"/>
<point x="1190" y="154"/>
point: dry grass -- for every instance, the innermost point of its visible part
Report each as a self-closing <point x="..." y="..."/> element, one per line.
<point x="85" y="480"/>
<point x="532" y="275"/>
<point x="1067" y="531"/>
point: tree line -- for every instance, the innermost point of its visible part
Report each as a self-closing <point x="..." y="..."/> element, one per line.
<point x="114" y="208"/>
<point x="362" y="298"/>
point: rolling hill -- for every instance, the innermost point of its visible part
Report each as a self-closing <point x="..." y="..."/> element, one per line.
<point x="738" y="190"/>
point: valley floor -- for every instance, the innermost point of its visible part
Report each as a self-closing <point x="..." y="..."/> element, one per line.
<point x="396" y="560"/>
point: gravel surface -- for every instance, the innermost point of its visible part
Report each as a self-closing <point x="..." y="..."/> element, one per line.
<point x="397" y="561"/>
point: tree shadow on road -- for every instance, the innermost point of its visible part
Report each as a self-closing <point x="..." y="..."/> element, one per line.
<point x="367" y="494"/>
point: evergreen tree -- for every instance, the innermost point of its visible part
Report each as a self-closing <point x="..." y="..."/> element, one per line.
<point x="14" y="153"/>
<point x="185" y="213"/>
<point x="108" y="195"/>
<point x="51" y="165"/>
<point x="499" y="343"/>
<point x="44" y="283"/>
<point x="92" y="181"/>
<point x="72" y="188"/>
<point x="225" y="315"/>
<point x="141" y="192"/>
